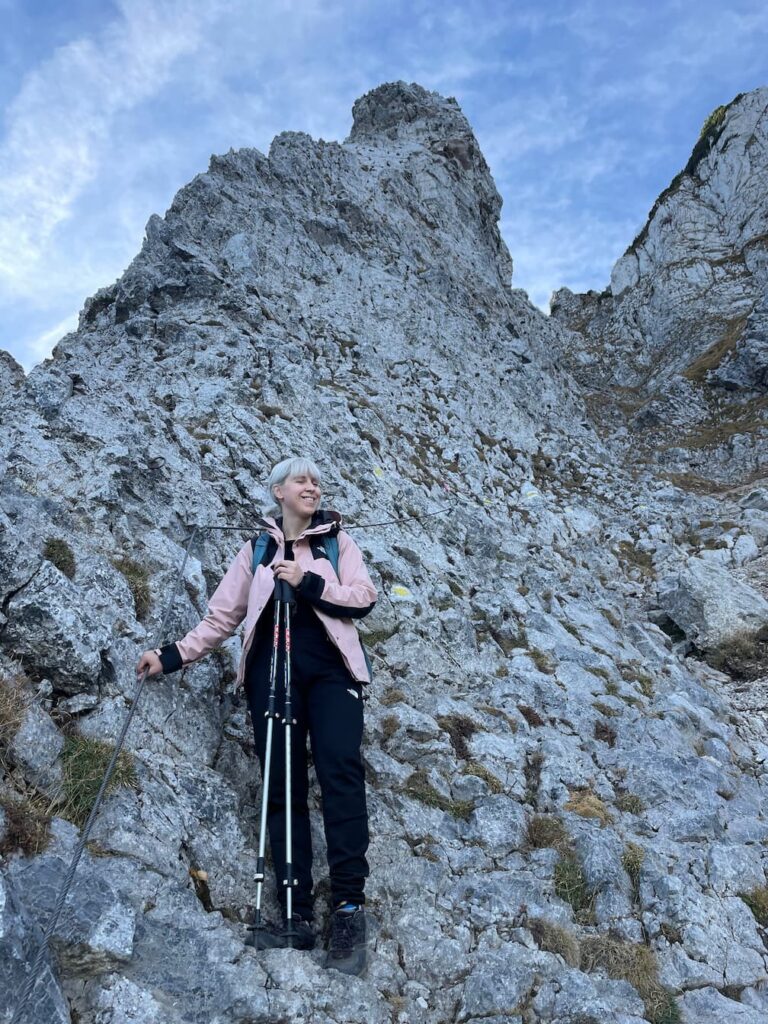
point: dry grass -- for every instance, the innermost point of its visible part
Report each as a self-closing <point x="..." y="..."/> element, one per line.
<point x="531" y="715"/>
<point x="630" y="802"/>
<point x="601" y="673"/>
<point x="544" y="831"/>
<point x="27" y="825"/>
<point x="571" y="886"/>
<point x="631" y="556"/>
<point x="636" y="964"/>
<point x="532" y="771"/>
<point x="711" y="435"/>
<point x="393" y="697"/>
<point x="460" y="729"/>
<point x="14" y="701"/>
<point x="742" y="656"/>
<point x="757" y="901"/>
<point x="611" y="617"/>
<point x="498" y="713"/>
<point x="605" y="709"/>
<point x="137" y="577"/>
<point x="670" y="933"/>
<point x="481" y="772"/>
<point x="605" y="732"/>
<point x="712" y="357"/>
<point x="631" y="673"/>
<point x="554" y="939"/>
<point x="420" y="788"/>
<point x="632" y="861"/>
<point x="389" y="726"/>
<point x="588" y="805"/>
<point x="542" y="661"/>
<point x="27" y="815"/>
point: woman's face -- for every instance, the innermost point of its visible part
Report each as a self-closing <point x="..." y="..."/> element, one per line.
<point x="299" y="494"/>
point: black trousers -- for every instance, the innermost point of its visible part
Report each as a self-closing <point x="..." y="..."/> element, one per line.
<point x="328" y="708"/>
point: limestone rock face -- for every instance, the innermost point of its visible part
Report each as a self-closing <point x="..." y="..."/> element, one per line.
<point x="544" y="768"/>
<point x="19" y="942"/>
<point x="676" y="345"/>
<point x="710" y="606"/>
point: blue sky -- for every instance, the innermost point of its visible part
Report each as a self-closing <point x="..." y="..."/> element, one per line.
<point x="584" y="111"/>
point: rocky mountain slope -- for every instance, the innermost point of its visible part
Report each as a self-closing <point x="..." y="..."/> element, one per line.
<point x="676" y="348"/>
<point x="567" y="784"/>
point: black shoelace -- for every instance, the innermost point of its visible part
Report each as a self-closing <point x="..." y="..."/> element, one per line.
<point x="342" y="931"/>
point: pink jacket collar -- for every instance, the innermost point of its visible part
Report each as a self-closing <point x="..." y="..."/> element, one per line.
<point x="323" y="521"/>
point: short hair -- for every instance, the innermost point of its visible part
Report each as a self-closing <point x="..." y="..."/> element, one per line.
<point x="291" y="467"/>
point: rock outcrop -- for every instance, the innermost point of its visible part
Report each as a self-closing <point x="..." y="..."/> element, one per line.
<point x="676" y="347"/>
<point x="568" y="815"/>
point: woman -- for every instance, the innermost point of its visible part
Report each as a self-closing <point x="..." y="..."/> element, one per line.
<point x="328" y="672"/>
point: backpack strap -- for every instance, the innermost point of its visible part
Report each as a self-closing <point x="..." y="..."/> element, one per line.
<point x="332" y="549"/>
<point x="264" y="547"/>
<point x="327" y="545"/>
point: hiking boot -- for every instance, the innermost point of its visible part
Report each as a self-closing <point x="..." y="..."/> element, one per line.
<point x="347" y="945"/>
<point x="296" y="934"/>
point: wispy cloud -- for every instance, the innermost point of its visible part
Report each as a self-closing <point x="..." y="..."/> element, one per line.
<point x="59" y="123"/>
<point x="583" y="111"/>
<point x="39" y="348"/>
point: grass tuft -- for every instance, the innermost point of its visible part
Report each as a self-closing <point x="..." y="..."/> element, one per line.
<point x="389" y="726"/>
<point x="420" y="788"/>
<point x="84" y="763"/>
<point x="632" y="861"/>
<point x="605" y="732"/>
<point x="499" y="713"/>
<point x="531" y="715"/>
<point x="61" y="555"/>
<point x="460" y="729"/>
<point x="757" y="901"/>
<point x="571" y="886"/>
<point x="630" y="556"/>
<point x="393" y="697"/>
<point x="670" y="932"/>
<point x="630" y="802"/>
<point x="588" y="805"/>
<point x="637" y="964"/>
<point x="743" y="656"/>
<point x="605" y="709"/>
<point x="137" y="577"/>
<point x="554" y="939"/>
<point x="27" y="826"/>
<point x="481" y="772"/>
<point x="545" y="831"/>
<point x="14" y="701"/>
<point x="532" y="771"/>
<point x="542" y="661"/>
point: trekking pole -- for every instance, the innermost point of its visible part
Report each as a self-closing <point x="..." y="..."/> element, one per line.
<point x="270" y="714"/>
<point x="288" y="721"/>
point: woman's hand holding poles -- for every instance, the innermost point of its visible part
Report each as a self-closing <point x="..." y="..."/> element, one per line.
<point x="291" y="572"/>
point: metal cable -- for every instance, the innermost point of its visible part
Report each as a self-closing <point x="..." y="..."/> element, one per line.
<point x="347" y="526"/>
<point x="37" y="965"/>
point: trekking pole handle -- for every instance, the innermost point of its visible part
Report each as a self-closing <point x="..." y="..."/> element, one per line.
<point x="284" y="591"/>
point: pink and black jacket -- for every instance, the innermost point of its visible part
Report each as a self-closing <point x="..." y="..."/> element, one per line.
<point x="243" y="594"/>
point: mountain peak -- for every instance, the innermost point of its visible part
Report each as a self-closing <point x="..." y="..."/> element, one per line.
<point x="398" y="107"/>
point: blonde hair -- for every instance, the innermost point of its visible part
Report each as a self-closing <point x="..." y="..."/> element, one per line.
<point x="291" y="467"/>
